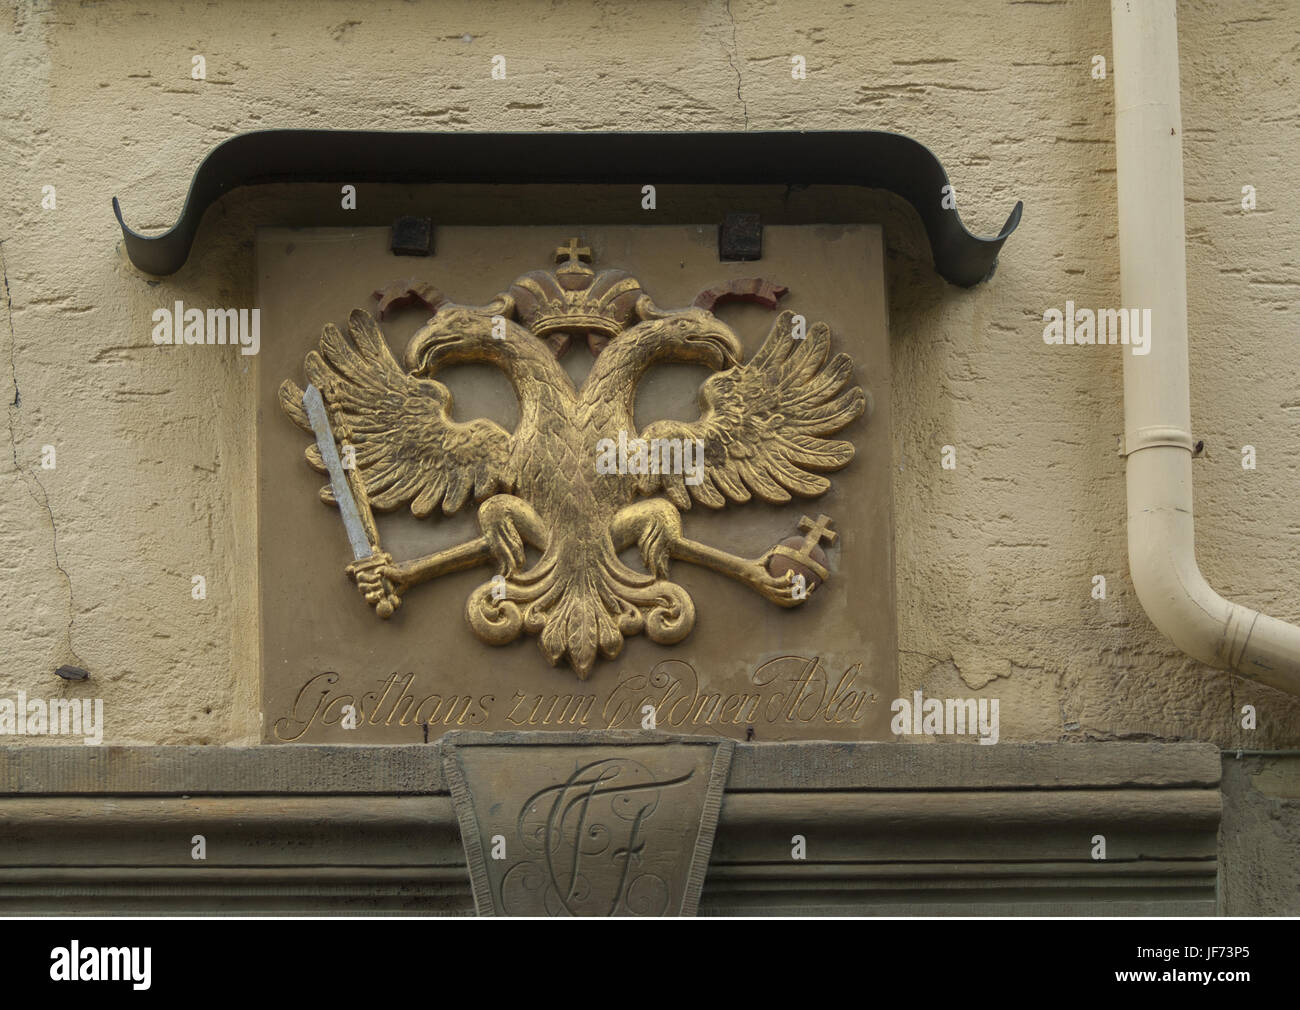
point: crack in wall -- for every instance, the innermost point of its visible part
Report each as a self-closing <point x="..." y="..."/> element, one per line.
<point x="937" y="660"/>
<point x="726" y="5"/>
<point x="32" y="482"/>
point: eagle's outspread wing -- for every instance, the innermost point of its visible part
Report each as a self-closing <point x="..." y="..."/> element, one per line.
<point x="408" y="448"/>
<point x="762" y="423"/>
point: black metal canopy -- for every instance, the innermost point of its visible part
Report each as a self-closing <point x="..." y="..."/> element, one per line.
<point x="871" y="159"/>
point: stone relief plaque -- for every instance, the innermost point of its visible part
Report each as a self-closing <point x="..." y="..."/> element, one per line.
<point x="574" y="479"/>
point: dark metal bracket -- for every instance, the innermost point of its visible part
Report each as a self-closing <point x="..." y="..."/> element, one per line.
<point x="871" y="159"/>
<point x="740" y="238"/>
<point x="411" y="236"/>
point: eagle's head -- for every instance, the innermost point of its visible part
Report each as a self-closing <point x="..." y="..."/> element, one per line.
<point x="693" y="336"/>
<point x="456" y="333"/>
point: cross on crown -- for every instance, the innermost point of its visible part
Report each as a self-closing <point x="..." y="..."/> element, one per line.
<point x="573" y="299"/>
<point x="573" y="252"/>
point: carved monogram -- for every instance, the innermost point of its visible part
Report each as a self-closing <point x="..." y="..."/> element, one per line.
<point x="575" y="479"/>
<point x="587" y="840"/>
<point x="586" y="824"/>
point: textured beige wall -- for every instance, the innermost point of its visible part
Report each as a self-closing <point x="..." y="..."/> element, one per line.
<point x="156" y="447"/>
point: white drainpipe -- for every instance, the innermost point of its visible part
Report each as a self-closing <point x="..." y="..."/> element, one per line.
<point x="1157" y="408"/>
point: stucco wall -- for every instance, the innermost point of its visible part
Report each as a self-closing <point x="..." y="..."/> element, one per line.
<point x="155" y="447"/>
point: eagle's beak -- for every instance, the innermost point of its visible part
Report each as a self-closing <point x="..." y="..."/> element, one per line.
<point x="720" y="347"/>
<point x="429" y="344"/>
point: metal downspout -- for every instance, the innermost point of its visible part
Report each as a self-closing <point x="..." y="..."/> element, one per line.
<point x="1157" y="409"/>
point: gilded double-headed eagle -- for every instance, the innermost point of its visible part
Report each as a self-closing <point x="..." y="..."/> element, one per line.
<point x="763" y="429"/>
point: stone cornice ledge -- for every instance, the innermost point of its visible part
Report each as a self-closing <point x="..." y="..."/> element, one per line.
<point x="889" y="828"/>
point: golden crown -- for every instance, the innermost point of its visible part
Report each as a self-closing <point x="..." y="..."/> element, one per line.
<point x="574" y="299"/>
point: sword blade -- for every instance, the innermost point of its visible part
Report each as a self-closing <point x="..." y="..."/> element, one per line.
<point x="320" y="424"/>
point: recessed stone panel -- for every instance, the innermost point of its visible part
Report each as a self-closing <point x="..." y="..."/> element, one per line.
<point x="745" y="667"/>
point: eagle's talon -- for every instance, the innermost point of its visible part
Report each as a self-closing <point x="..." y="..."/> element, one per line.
<point x="505" y="521"/>
<point x="380" y="583"/>
<point x="506" y="547"/>
<point x="780" y="589"/>
<point x="654" y="550"/>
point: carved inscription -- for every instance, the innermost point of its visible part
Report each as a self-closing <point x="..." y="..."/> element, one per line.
<point x="788" y="691"/>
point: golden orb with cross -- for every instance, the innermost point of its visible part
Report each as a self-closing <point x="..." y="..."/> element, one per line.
<point x="803" y="556"/>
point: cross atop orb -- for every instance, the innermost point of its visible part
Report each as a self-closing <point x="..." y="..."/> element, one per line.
<point x="573" y="252"/>
<point x="804" y="563"/>
<point x="817" y="531"/>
